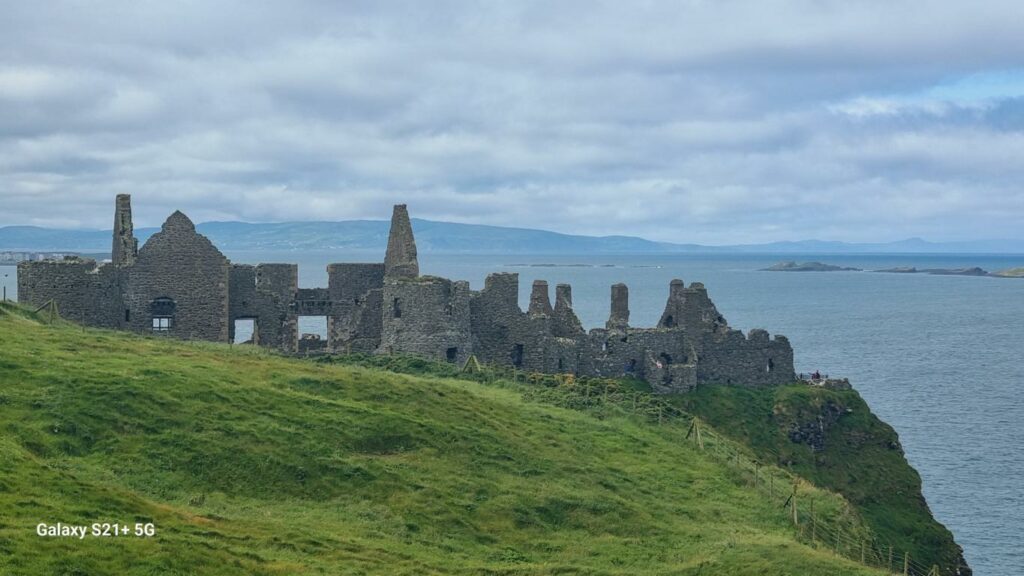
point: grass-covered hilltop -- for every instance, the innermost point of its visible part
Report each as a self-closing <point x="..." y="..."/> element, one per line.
<point x="248" y="462"/>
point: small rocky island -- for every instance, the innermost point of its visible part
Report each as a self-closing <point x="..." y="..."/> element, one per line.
<point x="791" y="266"/>
<point x="973" y="271"/>
<point x="808" y="267"/>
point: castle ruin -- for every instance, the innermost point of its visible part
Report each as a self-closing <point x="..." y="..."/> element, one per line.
<point x="179" y="284"/>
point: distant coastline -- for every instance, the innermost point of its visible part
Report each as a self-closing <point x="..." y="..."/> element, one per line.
<point x="455" y="238"/>
<point x="11" y="258"/>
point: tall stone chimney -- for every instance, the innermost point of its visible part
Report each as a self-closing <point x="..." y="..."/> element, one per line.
<point x="674" y="312"/>
<point x="400" y="260"/>
<point x="567" y="324"/>
<point x="619" y="317"/>
<point x="125" y="247"/>
<point x="540" y="301"/>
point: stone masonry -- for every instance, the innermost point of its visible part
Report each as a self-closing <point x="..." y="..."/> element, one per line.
<point x="180" y="285"/>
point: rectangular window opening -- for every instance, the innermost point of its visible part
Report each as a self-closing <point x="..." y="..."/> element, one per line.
<point x="313" y="327"/>
<point x="245" y="331"/>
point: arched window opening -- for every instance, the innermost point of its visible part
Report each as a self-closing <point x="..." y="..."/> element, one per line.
<point x="670" y="322"/>
<point x="396" y="308"/>
<point x="770" y="366"/>
<point x="451" y="354"/>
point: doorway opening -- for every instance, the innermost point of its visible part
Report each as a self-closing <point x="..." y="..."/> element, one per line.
<point x="517" y="355"/>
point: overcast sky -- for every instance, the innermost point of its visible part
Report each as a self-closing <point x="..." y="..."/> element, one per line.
<point x="715" y="121"/>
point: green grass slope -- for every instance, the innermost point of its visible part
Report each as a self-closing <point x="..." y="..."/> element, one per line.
<point x="249" y="463"/>
<point x="831" y="438"/>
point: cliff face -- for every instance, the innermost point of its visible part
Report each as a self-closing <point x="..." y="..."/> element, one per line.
<point x="831" y="438"/>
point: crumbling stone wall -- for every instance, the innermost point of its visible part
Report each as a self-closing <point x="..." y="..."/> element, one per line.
<point x="496" y="320"/>
<point x="388" y="308"/>
<point x="264" y="293"/>
<point x="427" y="316"/>
<point x="365" y="329"/>
<point x="729" y="357"/>
<point x="83" y="291"/>
<point x="184" y="267"/>
<point x="351" y="325"/>
<point x="614" y="353"/>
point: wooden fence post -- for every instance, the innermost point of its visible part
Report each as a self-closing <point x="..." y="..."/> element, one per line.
<point x="906" y="563"/>
<point x="814" y="523"/>
<point x="796" y="520"/>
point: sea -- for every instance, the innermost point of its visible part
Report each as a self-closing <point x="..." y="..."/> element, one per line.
<point x="940" y="358"/>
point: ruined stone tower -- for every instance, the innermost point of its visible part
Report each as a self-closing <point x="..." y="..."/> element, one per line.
<point x="567" y="324"/>
<point x="540" y="301"/>
<point x="125" y="247"/>
<point x="400" y="260"/>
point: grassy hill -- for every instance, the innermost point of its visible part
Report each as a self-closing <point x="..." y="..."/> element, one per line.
<point x="831" y="438"/>
<point x="250" y="463"/>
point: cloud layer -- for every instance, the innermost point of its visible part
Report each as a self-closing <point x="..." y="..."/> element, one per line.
<point x="704" y="121"/>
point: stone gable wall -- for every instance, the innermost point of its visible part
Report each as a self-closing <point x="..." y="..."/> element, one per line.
<point x="182" y="265"/>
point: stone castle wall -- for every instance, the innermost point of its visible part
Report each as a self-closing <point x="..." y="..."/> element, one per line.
<point x="180" y="277"/>
<point x="427" y="316"/>
<point x="83" y="291"/>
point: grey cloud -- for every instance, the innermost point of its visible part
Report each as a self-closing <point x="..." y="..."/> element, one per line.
<point x="686" y="121"/>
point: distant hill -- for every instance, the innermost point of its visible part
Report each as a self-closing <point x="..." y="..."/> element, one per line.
<point x="449" y="237"/>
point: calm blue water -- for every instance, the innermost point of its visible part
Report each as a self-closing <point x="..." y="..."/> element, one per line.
<point x="937" y="357"/>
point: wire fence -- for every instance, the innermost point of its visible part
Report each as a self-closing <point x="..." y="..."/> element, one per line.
<point x="840" y="532"/>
